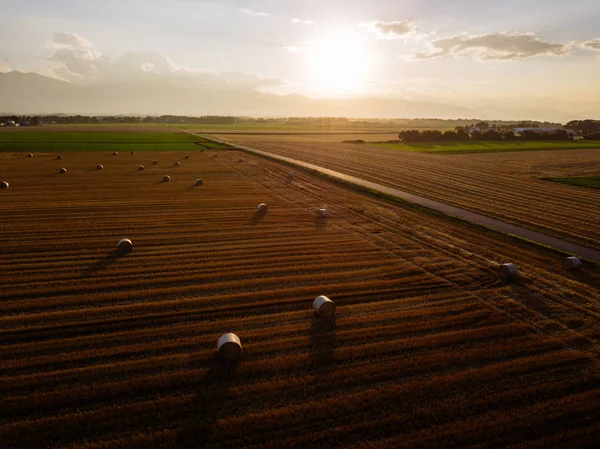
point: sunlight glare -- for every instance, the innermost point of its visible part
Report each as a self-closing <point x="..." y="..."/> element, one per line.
<point x="339" y="63"/>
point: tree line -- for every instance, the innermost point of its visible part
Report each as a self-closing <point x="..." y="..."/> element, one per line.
<point x="462" y="134"/>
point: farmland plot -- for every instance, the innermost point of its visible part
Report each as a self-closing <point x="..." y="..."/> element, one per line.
<point x="500" y="185"/>
<point x="102" y="349"/>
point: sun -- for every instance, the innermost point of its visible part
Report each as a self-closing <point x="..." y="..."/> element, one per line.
<point x="339" y="64"/>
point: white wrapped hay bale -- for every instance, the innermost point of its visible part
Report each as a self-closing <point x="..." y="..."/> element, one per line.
<point x="322" y="213"/>
<point x="323" y="306"/>
<point x="262" y="208"/>
<point x="140" y="168"/>
<point x="99" y="167"/>
<point x="167" y="178"/>
<point x="125" y="245"/>
<point x="507" y="271"/>
<point x="571" y="263"/>
<point x="199" y="182"/>
<point x="62" y="171"/>
<point x="4" y="185"/>
<point x="229" y="348"/>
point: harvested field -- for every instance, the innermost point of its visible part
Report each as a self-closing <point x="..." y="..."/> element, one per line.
<point x="500" y="185"/>
<point x="428" y="345"/>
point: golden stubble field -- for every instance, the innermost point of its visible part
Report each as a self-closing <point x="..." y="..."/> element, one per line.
<point x="428" y="345"/>
<point x="500" y="185"/>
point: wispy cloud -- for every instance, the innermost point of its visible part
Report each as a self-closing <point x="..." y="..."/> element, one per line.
<point x="254" y="13"/>
<point x="76" y="60"/>
<point x="494" y="46"/>
<point x="302" y="22"/>
<point x="394" y="29"/>
<point x="62" y="39"/>
<point x="594" y="44"/>
<point x="292" y="49"/>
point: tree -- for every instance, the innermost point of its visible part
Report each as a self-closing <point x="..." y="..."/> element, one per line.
<point x="35" y="121"/>
<point x="492" y="134"/>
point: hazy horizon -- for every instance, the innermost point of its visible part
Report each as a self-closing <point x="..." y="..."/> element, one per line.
<point x="483" y="58"/>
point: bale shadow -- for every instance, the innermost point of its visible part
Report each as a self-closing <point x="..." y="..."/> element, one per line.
<point x="322" y="342"/>
<point x="105" y="262"/>
<point x="321" y="224"/>
<point x="209" y="405"/>
<point x="257" y="217"/>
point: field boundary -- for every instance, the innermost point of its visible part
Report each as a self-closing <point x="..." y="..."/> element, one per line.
<point x="561" y="246"/>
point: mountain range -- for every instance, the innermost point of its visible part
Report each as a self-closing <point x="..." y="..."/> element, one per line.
<point x="32" y="93"/>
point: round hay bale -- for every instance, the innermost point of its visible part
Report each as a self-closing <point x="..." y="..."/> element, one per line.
<point x="154" y="162"/>
<point x="229" y="348"/>
<point x="4" y="185"/>
<point x="140" y="168"/>
<point x="99" y="167"/>
<point x="322" y="213"/>
<point x="30" y="155"/>
<point x="571" y="263"/>
<point x="167" y="178"/>
<point x="115" y="153"/>
<point x="132" y="152"/>
<point x="507" y="271"/>
<point x="199" y="182"/>
<point x="59" y="158"/>
<point x="62" y="171"/>
<point x="323" y="306"/>
<point x="177" y="164"/>
<point x="125" y="245"/>
<point x="215" y="155"/>
<point x="187" y="156"/>
<point x="240" y="160"/>
<point x="291" y="174"/>
<point x="262" y="208"/>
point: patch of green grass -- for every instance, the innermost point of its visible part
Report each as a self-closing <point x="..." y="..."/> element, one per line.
<point x="95" y="137"/>
<point x="485" y="147"/>
<point x="40" y="141"/>
<point x="591" y="182"/>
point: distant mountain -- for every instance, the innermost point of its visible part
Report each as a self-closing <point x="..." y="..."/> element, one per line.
<point x="31" y="93"/>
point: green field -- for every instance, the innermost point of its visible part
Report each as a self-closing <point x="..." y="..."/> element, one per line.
<point x="59" y="141"/>
<point x="591" y="182"/>
<point x="484" y="147"/>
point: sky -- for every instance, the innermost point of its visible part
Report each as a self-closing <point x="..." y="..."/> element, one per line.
<point x="467" y="52"/>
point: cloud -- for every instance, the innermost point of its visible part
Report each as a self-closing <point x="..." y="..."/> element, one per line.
<point x="594" y="44"/>
<point x="88" y="65"/>
<point x="254" y="13"/>
<point x="303" y="22"/>
<point x="498" y="46"/>
<point x="62" y="39"/>
<point x="292" y="49"/>
<point x="391" y="30"/>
